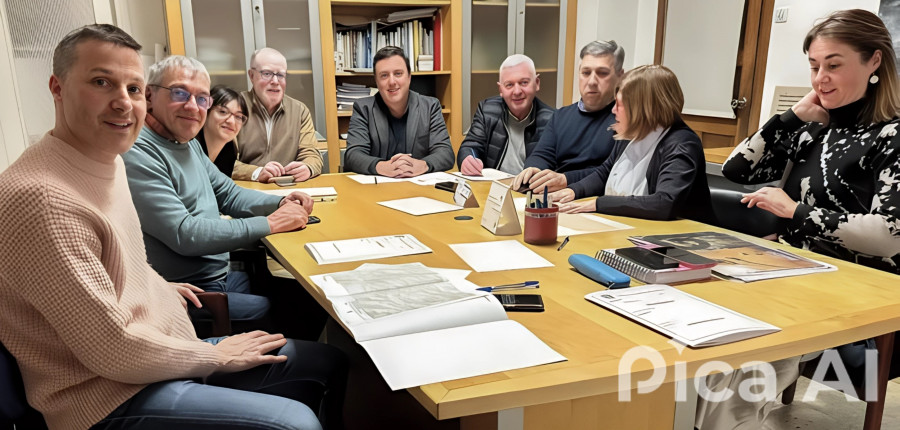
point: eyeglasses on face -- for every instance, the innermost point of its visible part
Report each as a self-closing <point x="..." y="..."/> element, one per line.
<point x="181" y="95"/>
<point x="267" y="75"/>
<point x="224" y="113"/>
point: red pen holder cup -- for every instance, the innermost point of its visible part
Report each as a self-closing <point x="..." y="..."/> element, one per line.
<point x="540" y="225"/>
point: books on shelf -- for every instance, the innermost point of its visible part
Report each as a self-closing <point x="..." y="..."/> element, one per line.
<point x="416" y="31"/>
<point x="648" y="275"/>
<point x="684" y="317"/>
<point x="408" y="314"/>
<point x="739" y="259"/>
<point x="348" y="93"/>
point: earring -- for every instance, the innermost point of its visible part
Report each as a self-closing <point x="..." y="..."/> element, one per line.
<point x="874" y="79"/>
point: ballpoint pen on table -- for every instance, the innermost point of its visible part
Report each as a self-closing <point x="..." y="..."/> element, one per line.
<point x="563" y="244"/>
<point x="526" y="284"/>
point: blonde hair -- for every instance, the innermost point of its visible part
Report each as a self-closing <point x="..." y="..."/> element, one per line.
<point x="865" y="33"/>
<point x="652" y="98"/>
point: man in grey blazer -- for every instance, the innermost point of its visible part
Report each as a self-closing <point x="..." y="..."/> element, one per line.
<point x="396" y="133"/>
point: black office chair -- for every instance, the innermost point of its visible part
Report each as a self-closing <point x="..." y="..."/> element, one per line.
<point x="14" y="409"/>
<point x="730" y="213"/>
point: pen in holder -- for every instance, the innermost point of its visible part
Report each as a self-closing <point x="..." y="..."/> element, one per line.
<point x="540" y="225"/>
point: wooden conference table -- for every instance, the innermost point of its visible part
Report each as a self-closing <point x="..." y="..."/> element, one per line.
<point x="814" y="312"/>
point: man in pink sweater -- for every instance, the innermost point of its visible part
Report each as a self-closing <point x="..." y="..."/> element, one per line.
<point x="101" y="339"/>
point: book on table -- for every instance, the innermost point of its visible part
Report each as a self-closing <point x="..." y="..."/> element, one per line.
<point x="422" y="325"/>
<point x="650" y="275"/>
<point x="684" y="317"/>
<point x="737" y="258"/>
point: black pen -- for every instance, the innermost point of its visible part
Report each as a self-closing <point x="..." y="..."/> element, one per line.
<point x="563" y="244"/>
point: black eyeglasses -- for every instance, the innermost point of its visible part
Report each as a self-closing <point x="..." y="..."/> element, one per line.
<point x="223" y="112"/>
<point x="267" y="75"/>
<point x="181" y="95"/>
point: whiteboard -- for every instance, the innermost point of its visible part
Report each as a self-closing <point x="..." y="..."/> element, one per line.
<point x="701" y="47"/>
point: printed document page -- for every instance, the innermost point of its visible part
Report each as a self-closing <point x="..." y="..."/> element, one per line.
<point x="420" y="206"/>
<point x="460" y="352"/>
<point x="487" y="175"/>
<point x="499" y="255"/>
<point x="371" y="179"/>
<point x="432" y="178"/>
<point x="367" y="248"/>
<point x="380" y="300"/>
<point x="682" y="316"/>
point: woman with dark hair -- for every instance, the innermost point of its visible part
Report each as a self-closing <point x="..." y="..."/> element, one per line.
<point x="840" y="197"/>
<point x="226" y="117"/>
<point x="656" y="169"/>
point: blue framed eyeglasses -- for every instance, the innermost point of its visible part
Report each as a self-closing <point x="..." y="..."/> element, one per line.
<point x="181" y="95"/>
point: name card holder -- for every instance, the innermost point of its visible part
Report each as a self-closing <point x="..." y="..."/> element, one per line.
<point x="463" y="195"/>
<point x="500" y="217"/>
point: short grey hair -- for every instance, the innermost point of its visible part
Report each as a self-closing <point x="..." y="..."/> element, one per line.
<point x="516" y="59"/>
<point x="158" y="70"/>
<point x="599" y="48"/>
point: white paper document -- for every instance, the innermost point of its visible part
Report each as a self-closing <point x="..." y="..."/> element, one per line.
<point x="406" y="313"/>
<point x="375" y="179"/>
<point x="367" y="248"/>
<point x="318" y="194"/>
<point x="575" y="224"/>
<point x="486" y="175"/>
<point x="459" y="352"/>
<point x="681" y="316"/>
<point x="499" y="255"/>
<point x="420" y="206"/>
<point x="430" y="179"/>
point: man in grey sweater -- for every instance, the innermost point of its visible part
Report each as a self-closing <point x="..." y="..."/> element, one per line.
<point x="179" y="194"/>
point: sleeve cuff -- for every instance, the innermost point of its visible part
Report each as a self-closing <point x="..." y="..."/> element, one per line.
<point x="255" y="175"/>
<point x="801" y="214"/>
<point x="790" y="120"/>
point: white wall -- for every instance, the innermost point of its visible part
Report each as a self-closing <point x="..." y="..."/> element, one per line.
<point x="787" y="65"/>
<point x="632" y="24"/>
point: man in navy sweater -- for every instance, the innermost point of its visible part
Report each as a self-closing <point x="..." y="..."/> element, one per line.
<point x="578" y="138"/>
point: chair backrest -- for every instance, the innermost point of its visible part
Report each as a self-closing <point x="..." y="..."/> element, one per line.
<point x="12" y="392"/>
<point x="730" y="213"/>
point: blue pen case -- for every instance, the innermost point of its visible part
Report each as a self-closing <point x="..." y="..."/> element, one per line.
<point x="599" y="271"/>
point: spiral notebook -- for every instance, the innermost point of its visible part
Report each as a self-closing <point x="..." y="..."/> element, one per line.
<point x="648" y="275"/>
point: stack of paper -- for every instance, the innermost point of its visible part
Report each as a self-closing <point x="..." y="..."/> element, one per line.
<point x="320" y="194"/>
<point x="499" y="255"/>
<point x="739" y="259"/>
<point x="422" y="325"/>
<point x="486" y="175"/>
<point x="420" y="206"/>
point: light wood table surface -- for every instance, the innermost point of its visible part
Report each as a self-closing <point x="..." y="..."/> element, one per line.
<point x="815" y="312"/>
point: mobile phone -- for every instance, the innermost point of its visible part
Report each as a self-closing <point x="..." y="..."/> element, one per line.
<point x="647" y="258"/>
<point x="446" y="186"/>
<point x="313" y="220"/>
<point x="283" y="180"/>
<point x="686" y="258"/>
<point x="521" y="302"/>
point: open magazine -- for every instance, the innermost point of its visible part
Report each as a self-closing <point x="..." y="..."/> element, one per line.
<point x="422" y="325"/>
<point x="737" y="258"/>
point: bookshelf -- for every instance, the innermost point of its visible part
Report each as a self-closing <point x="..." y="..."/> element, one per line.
<point x="444" y="84"/>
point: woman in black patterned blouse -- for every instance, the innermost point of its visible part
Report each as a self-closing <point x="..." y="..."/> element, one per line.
<point x="842" y="196"/>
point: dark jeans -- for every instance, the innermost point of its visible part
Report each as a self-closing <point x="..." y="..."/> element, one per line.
<point x="281" y="396"/>
<point x="242" y="305"/>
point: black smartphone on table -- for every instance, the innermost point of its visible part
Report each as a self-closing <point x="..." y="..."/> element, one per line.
<point x="312" y="220"/>
<point x="647" y="258"/>
<point x="686" y="258"/>
<point x="521" y="302"/>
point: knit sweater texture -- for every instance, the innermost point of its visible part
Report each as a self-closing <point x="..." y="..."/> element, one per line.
<point x="88" y="320"/>
<point x="574" y="143"/>
<point x="179" y="195"/>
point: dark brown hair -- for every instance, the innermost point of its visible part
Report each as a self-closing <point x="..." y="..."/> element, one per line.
<point x="387" y="52"/>
<point x="65" y="53"/>
<point x="865" y="33"/>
